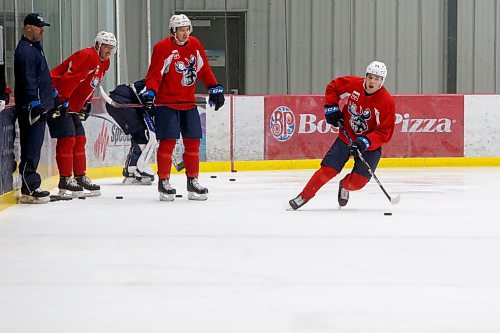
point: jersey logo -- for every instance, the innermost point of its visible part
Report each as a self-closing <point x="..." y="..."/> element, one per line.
<point x="358" y="120"/>
<point x="175" y="53"/>
<point x="94" y="83"/>
<point x="355" y="95"/>
<point x="188" y="71"/>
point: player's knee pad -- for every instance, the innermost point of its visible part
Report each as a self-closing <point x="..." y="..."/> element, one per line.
<point x="65" y="145"/>
<point x="166" y="147"/>
<point x="140" y="137"/>
<point x="164" y="157"/>
<point x="354" y="182"/>
<point x="191" y="145"/>
<point x="64" y="155"/>
<point x="80" y="141"/>
<point x="133" y="154"/>
<point x="326" y="173"/>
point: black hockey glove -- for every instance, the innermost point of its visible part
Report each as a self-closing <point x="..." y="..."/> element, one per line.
<point x="216" y="96"/>
<point x="60" y="108"/>
<point x="85" y="112"/>
<point x="360" y="145"/>
<point x="148" y="99"/>
<point x="333" y="115"/>
<point x="36" y="112"/>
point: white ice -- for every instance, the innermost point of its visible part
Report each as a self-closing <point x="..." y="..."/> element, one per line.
<point x="240" y="262"/>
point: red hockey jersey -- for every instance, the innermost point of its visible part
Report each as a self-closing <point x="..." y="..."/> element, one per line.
<point x="77" y="77"/>
<point x="174" y="70"/>
<point x="372" y="116"/>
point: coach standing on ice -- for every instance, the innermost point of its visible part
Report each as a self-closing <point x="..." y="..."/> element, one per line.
<point x="34" y="95"/>
<point x="76" y="78"/>
<point x="366" y="121"/>
<point x="177" y="62"/>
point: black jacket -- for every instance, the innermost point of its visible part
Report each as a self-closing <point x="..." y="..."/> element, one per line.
<point x="32" y="75"/>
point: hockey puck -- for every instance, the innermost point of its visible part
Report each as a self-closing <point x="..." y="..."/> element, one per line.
<point x="387" y="214"/>
<point x="178" y="195"/>
<point x="232" y="179"/>
<point x="213" y="176"/>
<point x="83" y="198"/>
<point x="119" y="197"/>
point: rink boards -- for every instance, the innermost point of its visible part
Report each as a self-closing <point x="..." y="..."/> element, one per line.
<point x="289" y="131"/>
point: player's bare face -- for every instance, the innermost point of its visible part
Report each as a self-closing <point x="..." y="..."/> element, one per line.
<point x="34" y="33"/>
<point x="105" y="51"/>
<point x="373" y="83"/>
<point x="181" y="35"/>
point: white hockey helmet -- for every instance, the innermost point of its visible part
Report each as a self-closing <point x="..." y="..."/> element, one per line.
<point x="180" y="20"/>
<point x="377" y="68"/>
<point x="105" y="37"/>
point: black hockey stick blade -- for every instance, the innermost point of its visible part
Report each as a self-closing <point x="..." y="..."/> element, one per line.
<point x="54" y="198"/>
<point x="110" y="101"/>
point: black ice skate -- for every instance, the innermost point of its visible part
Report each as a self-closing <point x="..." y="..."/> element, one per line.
<point x="297" y="202"/>
<point x="128" y="177"/>
<point x="69" y="188"/>
<point x="38" y="196"/>
<point x="86" y="183"/>
<point x="343" y="196"/>
<point x="195" y="190"/>
<point x="167" y="192"/>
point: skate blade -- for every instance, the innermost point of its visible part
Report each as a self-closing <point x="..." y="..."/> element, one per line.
<point x="26" y="199"/>
<point x="142" y="181"/>
<point x="128" y="180"/>
<point x="197" y="197"/>
<point x="167" y="197"/>
<point x="69" y="194"/>
<point x="91" y="193"/>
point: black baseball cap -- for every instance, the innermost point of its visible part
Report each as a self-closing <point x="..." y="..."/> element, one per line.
<point x="36" y="20"/>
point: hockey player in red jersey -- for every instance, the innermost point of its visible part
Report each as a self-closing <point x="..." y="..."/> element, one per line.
<point x="367" y="117"/>
<point x="176" y="63"/>
<point x="75" y="79"/>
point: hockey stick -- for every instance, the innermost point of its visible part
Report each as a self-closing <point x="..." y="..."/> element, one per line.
<point x="149" y="149"/>
<point x="110" y="101"/>
<point x="395" y="199"/>
<point x="57" y="113"/>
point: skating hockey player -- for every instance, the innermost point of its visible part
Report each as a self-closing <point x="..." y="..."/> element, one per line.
<point x="366" y="123"/>
<point x="176" y="64"/>
<point x="76" y="78"/>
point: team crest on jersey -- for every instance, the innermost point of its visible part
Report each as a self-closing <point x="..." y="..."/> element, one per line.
<point x="94" y="83"/>
<point x="355" y="95"/>
<point x="188" y="70"/>
<point x="358" y="119"/>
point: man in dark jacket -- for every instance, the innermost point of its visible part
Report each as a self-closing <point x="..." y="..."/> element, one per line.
<point x="34" y="95"/>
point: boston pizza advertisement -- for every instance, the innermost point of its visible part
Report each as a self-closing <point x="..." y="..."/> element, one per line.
<point x="425" y="126"/>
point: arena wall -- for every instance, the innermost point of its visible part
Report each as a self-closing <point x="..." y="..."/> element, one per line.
<point x="289" y="131"/>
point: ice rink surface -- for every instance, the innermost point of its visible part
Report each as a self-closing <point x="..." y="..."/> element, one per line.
<point x="240" y="262"/>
